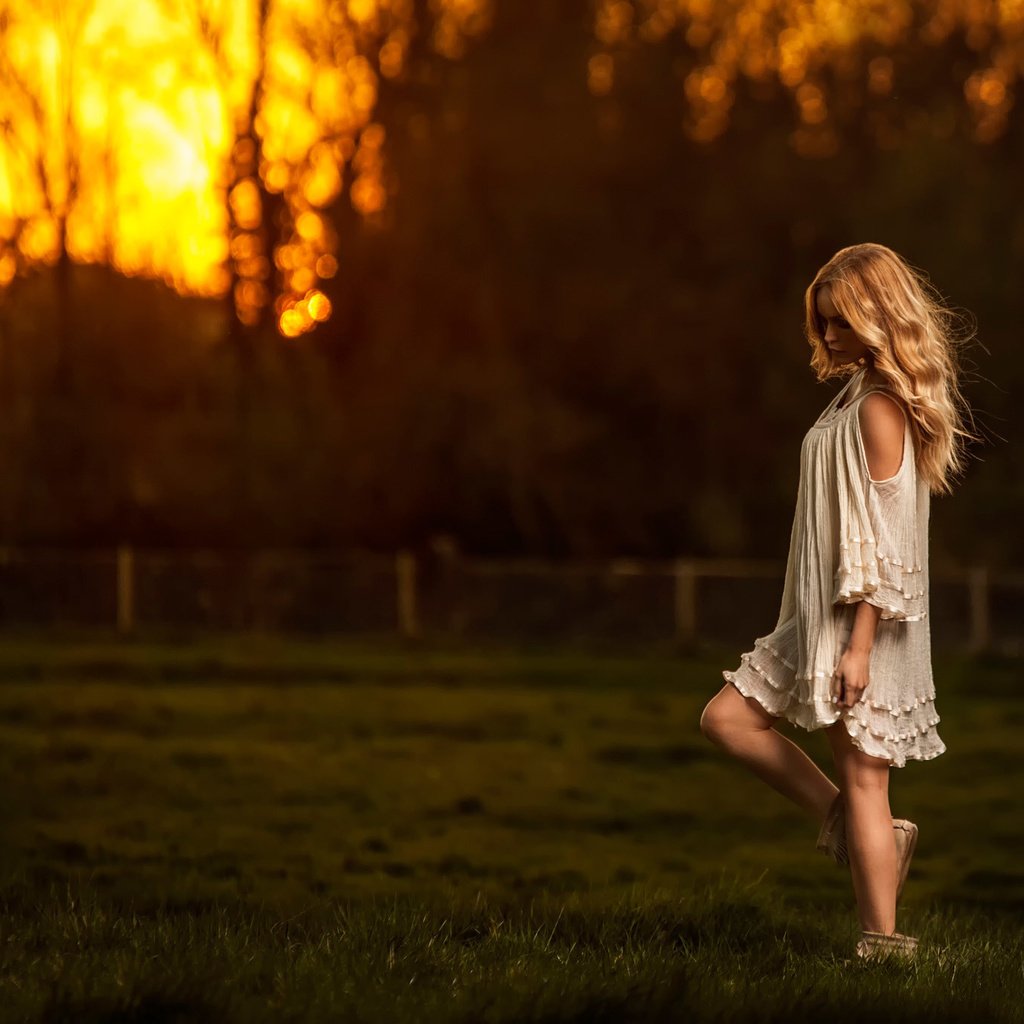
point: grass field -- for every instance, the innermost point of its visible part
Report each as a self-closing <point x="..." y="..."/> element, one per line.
<point x="258" y="829"/>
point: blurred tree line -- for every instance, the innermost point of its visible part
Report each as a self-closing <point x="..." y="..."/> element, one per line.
<point x="575" y="331"/>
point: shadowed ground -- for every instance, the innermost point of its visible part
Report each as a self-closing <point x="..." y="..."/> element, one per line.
<point x="189" y="795"/>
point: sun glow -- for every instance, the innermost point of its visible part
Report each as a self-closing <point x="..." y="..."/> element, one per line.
<point x="160" y="136"/>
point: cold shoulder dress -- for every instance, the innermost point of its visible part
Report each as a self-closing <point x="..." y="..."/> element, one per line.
<point x="853" y="538"/>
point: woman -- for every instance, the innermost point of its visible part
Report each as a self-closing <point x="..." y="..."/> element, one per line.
<point x="851" y="651"/>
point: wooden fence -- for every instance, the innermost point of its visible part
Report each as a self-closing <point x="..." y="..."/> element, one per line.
<point x="441" y="591"/>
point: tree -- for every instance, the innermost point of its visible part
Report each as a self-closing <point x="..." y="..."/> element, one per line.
<point x="832" y="59"/>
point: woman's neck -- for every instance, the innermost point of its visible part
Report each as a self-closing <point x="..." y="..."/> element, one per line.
<point x="872" y="378"/>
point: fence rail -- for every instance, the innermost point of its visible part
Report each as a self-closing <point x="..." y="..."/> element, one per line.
<point x="441" y="591"/>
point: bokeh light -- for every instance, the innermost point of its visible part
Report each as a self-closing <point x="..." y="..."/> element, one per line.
<point x="796" y="42"/>
<point x="192" y="141"/>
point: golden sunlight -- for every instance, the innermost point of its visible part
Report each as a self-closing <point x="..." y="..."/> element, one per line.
<point x="157" y="135"/>
<point x="204" y="141"/>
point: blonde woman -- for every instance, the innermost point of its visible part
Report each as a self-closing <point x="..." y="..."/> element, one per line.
<point x="851" y="651"/>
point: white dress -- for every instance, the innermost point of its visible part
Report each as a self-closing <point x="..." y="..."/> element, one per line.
<point x="853" y="538"/>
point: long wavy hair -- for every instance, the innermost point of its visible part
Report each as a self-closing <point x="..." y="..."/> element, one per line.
<point x="912" y="338"/>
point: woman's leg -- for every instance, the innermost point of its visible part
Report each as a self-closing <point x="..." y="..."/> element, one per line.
<point x="870" y="840"/>
<point x="741" y="727"/>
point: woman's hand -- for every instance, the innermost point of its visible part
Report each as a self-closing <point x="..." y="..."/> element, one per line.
<point x="850" y="679"/>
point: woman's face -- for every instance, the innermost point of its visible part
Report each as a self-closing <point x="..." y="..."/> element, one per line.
<point x="843" y="343"/>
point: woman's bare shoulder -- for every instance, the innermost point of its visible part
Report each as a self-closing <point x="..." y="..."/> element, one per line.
<point x="882" y="407"/>
<point x="882" y="424"/>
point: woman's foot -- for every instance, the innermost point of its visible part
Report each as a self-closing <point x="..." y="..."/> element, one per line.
<point x="880" y="946"/>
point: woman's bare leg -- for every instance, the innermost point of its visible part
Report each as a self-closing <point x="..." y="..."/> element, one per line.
<point x="741" y="727"/>
<point x="869" y="836"/>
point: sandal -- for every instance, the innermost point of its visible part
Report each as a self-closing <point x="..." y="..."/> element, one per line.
<point x="880" y="946"/>
<point x="832" y="837"/>
<point x="906" y="843"/>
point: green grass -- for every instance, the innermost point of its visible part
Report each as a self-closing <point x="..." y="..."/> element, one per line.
<point x="250" y="829"/>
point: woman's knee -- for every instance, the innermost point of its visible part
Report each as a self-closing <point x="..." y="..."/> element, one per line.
<point x="860" y="772"/>
<point x="713" y="721"/>
<point x="729" y="711"/>
<point x="867" y="776"/>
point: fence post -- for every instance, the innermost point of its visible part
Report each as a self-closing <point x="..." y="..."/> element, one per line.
<point x="685" y="573"/>
<point x="125" y="589"/>
<point x="981" y="626"/>
<point x="408" y="619"/>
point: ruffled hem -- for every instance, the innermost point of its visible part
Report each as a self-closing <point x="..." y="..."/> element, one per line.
<point x="882" y="580"/>
<point x="894" y="710"/>
<point x="869" y="723"/>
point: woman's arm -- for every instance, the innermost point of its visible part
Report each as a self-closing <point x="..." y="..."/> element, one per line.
<point x="882" y="427"/>
<point x="851" y="676"/>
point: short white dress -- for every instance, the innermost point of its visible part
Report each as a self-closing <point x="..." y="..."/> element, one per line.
<point x="853" y="538"/>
